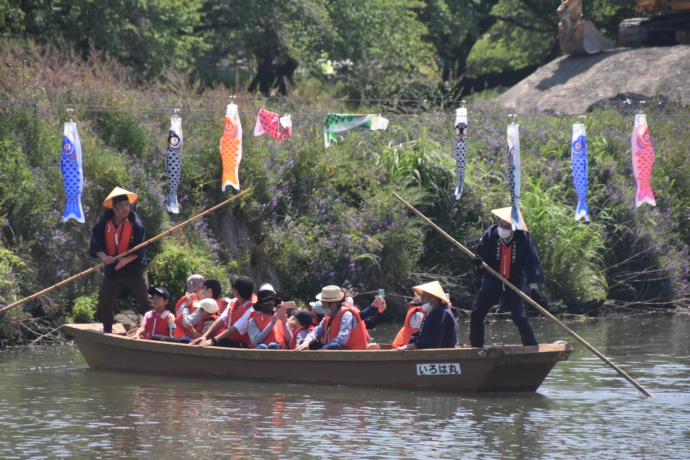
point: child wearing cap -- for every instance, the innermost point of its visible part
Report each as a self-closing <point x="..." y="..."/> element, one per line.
<point x="158" y="321"/>
<point x="201" y="320"/>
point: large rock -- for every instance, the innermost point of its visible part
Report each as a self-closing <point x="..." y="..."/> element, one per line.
<point x="572" y="84"/>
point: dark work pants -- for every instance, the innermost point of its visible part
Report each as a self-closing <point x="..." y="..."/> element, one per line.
<point x="229" y="343"/>
<point x="491" y="292"/>
<point x="137" y="279"/>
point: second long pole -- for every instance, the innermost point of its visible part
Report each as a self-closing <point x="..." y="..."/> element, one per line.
<point x="527" y="299"/>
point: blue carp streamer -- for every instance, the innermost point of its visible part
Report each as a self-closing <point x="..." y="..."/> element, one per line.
<point x="578" y="158"/>
<point x="72" y="173"/>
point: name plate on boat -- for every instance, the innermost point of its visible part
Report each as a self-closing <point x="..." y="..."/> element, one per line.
<point x="438" y="369"/>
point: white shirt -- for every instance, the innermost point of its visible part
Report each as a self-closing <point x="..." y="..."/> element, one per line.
<point x="241" y="324"/>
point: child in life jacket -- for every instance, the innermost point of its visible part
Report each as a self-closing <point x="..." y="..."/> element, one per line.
<point x="214" y="290"/>
<point x="186" y="324"/>
<point x="302" y="323"/>
<point x="158" y="321"/>
<point x="202" y="319"/>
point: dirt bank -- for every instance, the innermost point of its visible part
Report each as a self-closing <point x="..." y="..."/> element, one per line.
<point x="573" y="84"/>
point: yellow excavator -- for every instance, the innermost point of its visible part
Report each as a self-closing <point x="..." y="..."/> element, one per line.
<point x="671" y="26"/>
<point x="668" y="25"/>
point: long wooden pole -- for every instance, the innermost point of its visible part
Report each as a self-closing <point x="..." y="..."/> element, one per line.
<point x="527" y="299"/>
<point x="124" y="254"/>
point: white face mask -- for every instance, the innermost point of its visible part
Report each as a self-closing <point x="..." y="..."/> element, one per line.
<point x="504" y="233"/>
<point x="427" y="307"/>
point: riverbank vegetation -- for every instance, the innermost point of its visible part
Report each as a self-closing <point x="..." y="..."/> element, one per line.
<point x="318" y="215"/>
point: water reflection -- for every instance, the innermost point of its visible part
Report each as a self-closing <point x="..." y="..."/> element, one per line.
<point x="53" y="406"/>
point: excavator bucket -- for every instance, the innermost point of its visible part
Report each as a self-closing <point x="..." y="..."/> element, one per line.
<point x="575" y="35"/>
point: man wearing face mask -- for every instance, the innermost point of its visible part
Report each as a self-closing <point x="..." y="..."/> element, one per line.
<point x="187" y="305"/>
<point x="511" y="253"/>
<point x="438" y="329"/>
<point x="341" y="327"/>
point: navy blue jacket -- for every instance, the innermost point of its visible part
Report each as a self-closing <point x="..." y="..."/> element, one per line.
<point x="525" y="265"/>
<point x="138" y="237"/>
<point x="438" y="330"/>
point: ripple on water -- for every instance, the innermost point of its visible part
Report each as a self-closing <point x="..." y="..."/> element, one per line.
<point x="52" y="407"/>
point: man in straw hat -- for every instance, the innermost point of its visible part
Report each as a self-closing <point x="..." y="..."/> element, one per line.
<point x="341" y="327"/>
<point x="438" y="329"/>
<point x="118" y="230"/>
<point x="511" y="253"/>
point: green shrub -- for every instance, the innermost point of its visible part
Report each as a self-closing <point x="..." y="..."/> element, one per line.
<point x="177" y="262"/>
<point x="123" y="132"/>
<point x="571" y="252"/>
<point x="84" y="309"/>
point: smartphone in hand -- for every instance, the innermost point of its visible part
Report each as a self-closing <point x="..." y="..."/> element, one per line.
<point x="382" y="293"/>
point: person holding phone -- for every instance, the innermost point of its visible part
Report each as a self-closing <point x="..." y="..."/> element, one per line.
<point x="373" y="313"/>
<point x="268" y="327"/>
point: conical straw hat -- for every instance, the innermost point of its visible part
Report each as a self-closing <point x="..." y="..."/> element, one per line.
<point x="117" y="191"/>
<point x="434" y="288"/>
<point x="505" y="214"/>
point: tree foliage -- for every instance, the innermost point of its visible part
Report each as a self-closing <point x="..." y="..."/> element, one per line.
<point x="150" y="36"/>
<point x="373" y="48"/>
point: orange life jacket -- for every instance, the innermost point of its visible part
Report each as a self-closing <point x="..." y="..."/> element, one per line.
<point x="200" y="327"/>
<point x="276" y="335"/>
<point x="156" y="323"/>
<point x="222" y="305"/>
<point x="236" y="312"/>
<point x="117" y="237"/>
<point x="412" y="323"/>
<point x="293" y="340"/>
<point x="359" y="337"/>
<point x="180" y="330"/>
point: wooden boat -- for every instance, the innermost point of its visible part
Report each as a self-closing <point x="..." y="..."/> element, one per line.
<point x="495" y="368"/>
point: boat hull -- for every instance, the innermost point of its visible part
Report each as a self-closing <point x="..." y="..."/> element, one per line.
<point x="459" y="370"/>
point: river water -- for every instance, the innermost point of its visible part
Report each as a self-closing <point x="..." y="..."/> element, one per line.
<point x="53" y="406"/>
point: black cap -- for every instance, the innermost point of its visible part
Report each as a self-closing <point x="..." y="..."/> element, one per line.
<point x="161" y="291"/>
